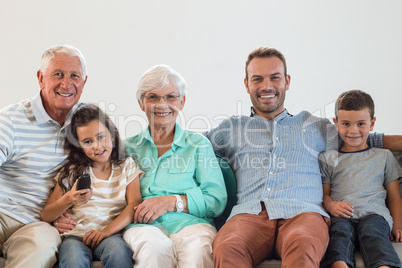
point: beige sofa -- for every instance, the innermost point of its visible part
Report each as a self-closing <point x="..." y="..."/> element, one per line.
<point x="231" y="188"/>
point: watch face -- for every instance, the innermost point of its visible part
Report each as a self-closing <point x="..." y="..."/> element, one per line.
<point x="180" y="205"/>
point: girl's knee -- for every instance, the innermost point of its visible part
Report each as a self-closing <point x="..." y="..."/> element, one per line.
<point x="116" y="248"/>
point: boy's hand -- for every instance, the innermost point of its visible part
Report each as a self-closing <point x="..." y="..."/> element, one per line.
<point x="396" y="235"/>
<point x="93" y="238"/>
<point x="341" y="209"/>
<point x="79" y="197"/>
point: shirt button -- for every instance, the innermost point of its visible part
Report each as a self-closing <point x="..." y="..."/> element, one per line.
<point x="266" y="198"/>
<point x="304" y="130"/>
<point x="270" y="173"/>
<point x="268" y="189"/>
<point x="276" y="138"/>
<point x="274" y="156"/>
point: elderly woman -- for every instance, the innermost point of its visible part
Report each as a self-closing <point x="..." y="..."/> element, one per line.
<point x="183" y="187"/>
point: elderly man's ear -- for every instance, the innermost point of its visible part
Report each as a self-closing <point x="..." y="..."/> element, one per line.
<point x="40" y="79"/>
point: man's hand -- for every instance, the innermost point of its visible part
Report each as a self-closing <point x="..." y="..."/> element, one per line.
<point x="64" y="223"/>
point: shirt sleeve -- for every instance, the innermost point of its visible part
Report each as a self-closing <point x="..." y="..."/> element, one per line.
<point x="218" y="137"/>
<point x="132" y="170"/>
<point x="325" y="174"/>
<point x="6" y="137"/>
<point x="64" y="181"/>
<point x="209" y="199"/>
<point x="392" y="169"/>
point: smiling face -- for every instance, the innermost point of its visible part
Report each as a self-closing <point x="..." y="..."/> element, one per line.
<point x="96" y="141"/>
<point x="354" y="128"/>
<point x="61" y="86"/>
<point x="267" y="85"/>
<point x="163" y="113"/>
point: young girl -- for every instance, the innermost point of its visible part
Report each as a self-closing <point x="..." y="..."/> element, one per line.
<point x="102" y="211"/>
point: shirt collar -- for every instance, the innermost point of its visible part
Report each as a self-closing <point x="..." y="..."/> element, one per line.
<point x="368" y="148"/>
<point x="178" y="139"/>
<point x="179" y="136"/>
<point x="39" y="111"/>
<point x="279" y="117"/>
<point x="41" y="115"/>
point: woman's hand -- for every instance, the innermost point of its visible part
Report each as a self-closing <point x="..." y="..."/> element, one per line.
<point x="79" y="197"/>
<point x="93" y="238"/>
<point x="151" y="209"/>
<point x="64" y="223"/>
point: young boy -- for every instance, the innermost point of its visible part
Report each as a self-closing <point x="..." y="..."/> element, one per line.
<point x="358" y="183"/>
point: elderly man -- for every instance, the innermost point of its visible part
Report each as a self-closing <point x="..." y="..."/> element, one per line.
<point x="31" y="150"/>
<point x="279" y="189"/>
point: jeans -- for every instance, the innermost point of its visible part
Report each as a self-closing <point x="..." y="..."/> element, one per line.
<point x="112" y="252"/>
<point x="370" y="234"/>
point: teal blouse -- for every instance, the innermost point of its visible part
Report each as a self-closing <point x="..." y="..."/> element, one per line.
<point x="189" y="168"/>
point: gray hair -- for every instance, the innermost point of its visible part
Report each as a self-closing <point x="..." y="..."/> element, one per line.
<point x="159" y="77"/>
<point x="70" y="51"/>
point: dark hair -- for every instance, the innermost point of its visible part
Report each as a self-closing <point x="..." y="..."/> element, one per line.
<point x="354" y="100"/>
<point x="266" y="52"/>
<point x="77" y="159"/>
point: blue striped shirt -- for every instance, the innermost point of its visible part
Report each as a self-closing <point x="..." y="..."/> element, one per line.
<point x="275" y="162"/>
<point x="31" y="151"/>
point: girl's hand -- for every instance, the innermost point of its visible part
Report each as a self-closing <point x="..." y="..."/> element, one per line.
<point x="341" y="209"/>
<point x="93" y="238"/>
<point x="151" y="209"/>
<point x="79" y="197"/>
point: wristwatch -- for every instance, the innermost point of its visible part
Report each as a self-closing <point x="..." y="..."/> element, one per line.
<point x="179" y="203"/>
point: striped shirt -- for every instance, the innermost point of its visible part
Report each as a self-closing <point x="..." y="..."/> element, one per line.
<point x="108" y="199"/>
<point x="275" y="162"/>
<point x="31" y="151"/>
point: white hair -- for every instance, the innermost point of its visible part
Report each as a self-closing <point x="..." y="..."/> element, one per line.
<point x="70" y="51"/>
<point x="159" y="77"/>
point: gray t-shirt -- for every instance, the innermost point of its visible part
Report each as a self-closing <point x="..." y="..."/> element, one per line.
<point x="359" y="178"/>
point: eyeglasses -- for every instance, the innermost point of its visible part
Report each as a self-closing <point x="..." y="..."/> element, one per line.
<point x="169" y="98"/>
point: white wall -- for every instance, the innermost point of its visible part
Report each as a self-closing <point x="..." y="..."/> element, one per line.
<point x="330" y="46"/>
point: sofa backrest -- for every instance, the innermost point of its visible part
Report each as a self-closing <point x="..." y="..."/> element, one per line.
<point x="398" y="156"/>
<point x="230" y="183"/>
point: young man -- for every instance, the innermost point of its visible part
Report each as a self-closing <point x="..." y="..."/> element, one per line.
<point x="274" y="156"/>
<point x="358" y="181"/>
<point x="31" y="150"/>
